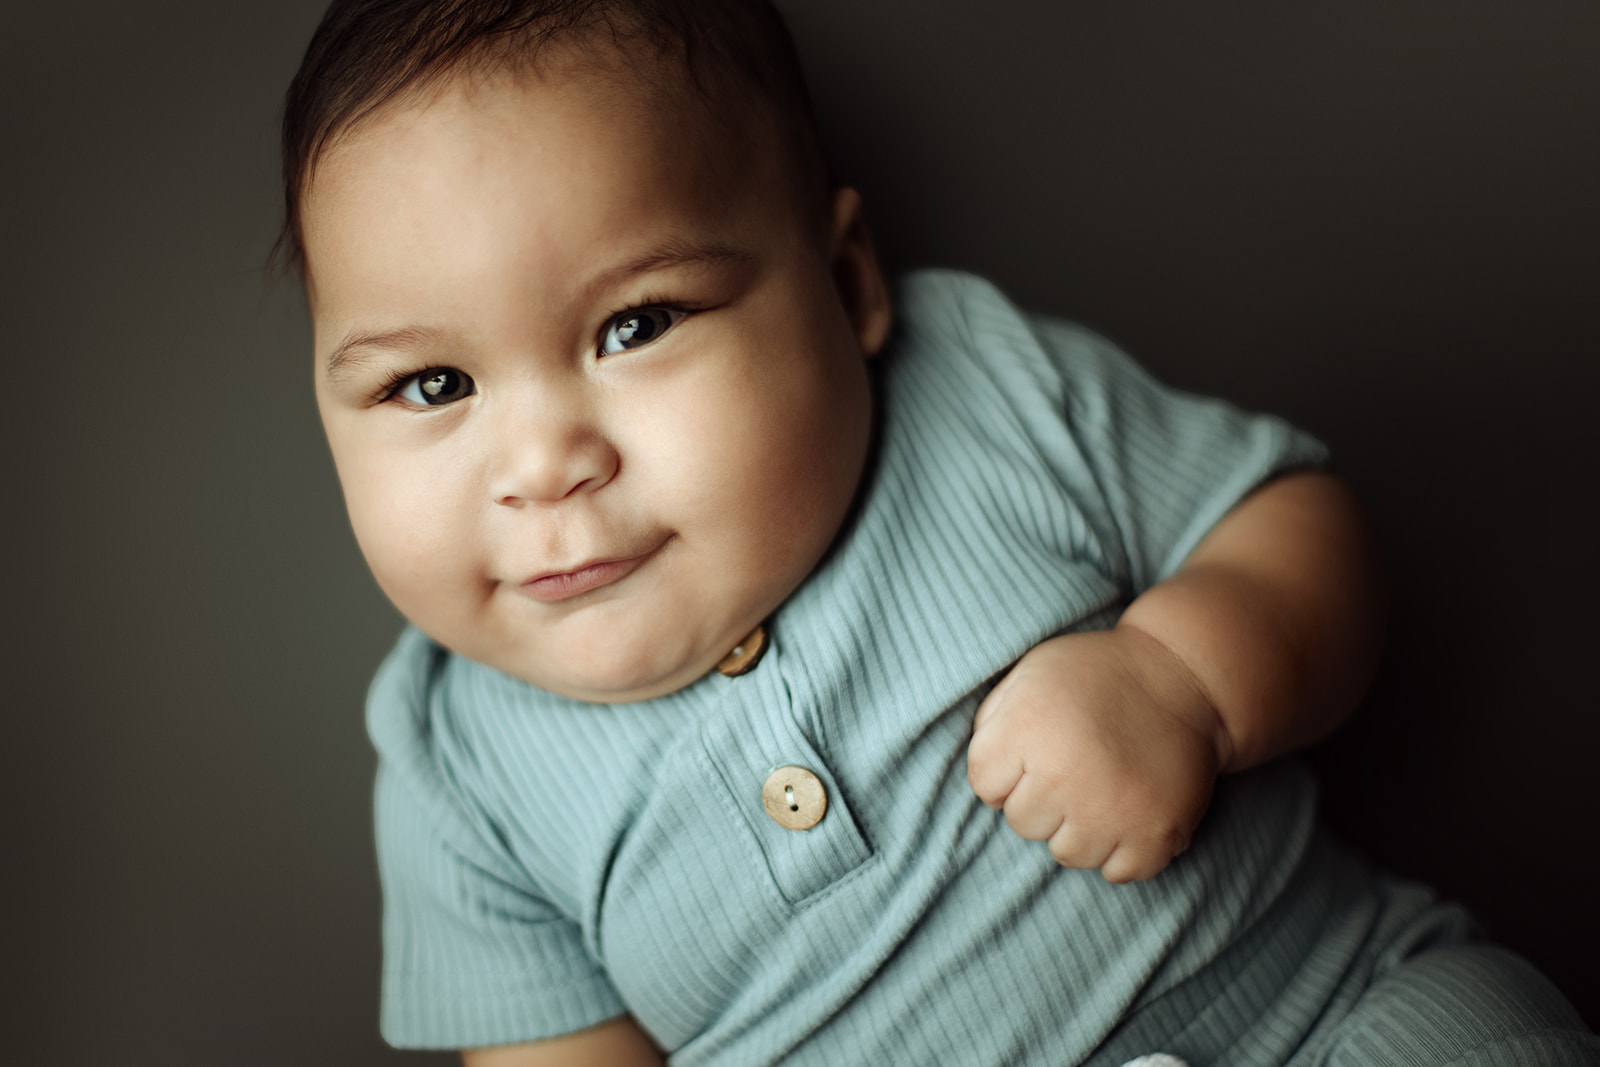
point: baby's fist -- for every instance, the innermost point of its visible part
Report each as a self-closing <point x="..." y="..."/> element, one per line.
<point x="1102" y="745"/>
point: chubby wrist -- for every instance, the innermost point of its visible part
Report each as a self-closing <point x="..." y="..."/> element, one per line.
<point x="1171" y="684"/>
<point x="1277" y="613"/>
<point x="1253" y="652"/>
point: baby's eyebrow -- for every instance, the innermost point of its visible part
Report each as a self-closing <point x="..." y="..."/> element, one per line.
<point x="407" y="337"/>
<point x="675" y="252"/>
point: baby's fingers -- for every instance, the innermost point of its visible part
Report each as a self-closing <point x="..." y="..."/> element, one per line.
<point x="1079" y="848"/>
<point x="1141" y="860"/>
<point x="992" y="770"/>
<point x="1032" y="812"/>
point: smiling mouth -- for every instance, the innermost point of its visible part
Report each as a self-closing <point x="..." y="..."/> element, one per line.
<point x="565" y="585"/>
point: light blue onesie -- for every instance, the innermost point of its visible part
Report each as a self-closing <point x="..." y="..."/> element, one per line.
<point x="548" y="864"/>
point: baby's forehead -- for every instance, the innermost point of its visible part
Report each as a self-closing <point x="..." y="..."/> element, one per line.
<point x="720" y="71"/>
<point x="657" y="85"/>
<point x="570" y="167"/>
<point x="720" y="140"/>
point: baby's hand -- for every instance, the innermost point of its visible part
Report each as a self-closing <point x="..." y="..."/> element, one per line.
<point x="1102" y="744"/>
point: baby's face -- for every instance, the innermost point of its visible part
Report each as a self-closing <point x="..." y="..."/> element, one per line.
<point x="596" y="402"/>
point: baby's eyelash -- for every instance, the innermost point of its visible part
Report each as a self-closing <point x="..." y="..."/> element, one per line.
<point x="652" y="299"/>
<point x="650" y="302"/>
<point x="392" y="384"/>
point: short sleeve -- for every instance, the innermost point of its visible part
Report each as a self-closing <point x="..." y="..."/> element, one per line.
<point x="1166" y="465"/>
<point x="473" y="956"/>
<point x="1152" y="469"/>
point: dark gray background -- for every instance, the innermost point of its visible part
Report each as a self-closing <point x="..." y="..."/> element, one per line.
<point x="1378" y="217"/>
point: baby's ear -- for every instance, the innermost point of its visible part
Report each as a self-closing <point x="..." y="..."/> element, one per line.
<point x="856" y="274"/>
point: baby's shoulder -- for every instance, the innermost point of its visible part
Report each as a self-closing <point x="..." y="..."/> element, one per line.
<point x="961" y="334"/>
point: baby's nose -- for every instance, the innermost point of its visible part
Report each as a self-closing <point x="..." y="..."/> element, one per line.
<point x="545" y="457"/>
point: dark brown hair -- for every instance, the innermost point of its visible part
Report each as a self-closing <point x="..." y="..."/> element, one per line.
<point x="366" y="52"/>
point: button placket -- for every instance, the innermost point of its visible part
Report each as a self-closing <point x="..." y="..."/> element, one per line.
<point x="780" y="784"/>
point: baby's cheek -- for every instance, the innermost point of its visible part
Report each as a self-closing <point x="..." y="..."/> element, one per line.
<point x="410" y="545"/>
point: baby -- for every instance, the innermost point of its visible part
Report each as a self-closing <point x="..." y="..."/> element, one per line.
<point x="764" y="621"/>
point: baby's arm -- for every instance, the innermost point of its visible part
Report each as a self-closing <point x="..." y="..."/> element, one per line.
<point x="1107" y="744"/>
<point x="618" y="1043"/>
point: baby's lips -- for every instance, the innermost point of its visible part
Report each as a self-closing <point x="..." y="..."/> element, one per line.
<point x="564" y="585"/>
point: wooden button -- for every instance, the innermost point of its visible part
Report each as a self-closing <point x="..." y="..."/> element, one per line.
<point x="745" y="655"/>
<point x="795" y="798"/>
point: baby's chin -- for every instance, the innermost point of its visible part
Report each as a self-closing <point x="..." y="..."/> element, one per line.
<point x="609" y="677"/>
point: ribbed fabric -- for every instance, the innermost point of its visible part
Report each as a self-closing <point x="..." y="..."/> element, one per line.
<point x="548" y="864"/>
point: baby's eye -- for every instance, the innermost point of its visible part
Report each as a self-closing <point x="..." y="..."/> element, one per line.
<point x="637" y="327"/>
<point x="436" y="386"/>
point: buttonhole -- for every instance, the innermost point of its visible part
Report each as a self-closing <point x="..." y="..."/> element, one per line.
<point x="788" y="794"/>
